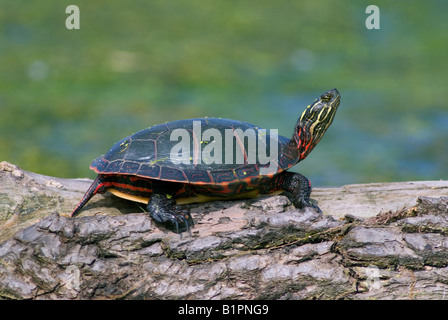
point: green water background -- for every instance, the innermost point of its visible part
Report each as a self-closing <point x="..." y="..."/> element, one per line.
<point x="67" y="95"/>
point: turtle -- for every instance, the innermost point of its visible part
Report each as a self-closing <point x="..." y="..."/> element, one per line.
<point x="168" y="165"/>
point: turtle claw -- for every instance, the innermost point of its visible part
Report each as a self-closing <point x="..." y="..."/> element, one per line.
<point x="307" y="204"/>
<point x="316" y="208"/>
<point x="182" y="221"/>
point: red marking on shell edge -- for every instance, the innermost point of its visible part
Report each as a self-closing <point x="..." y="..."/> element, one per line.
<point x="172" y="174"/>
<point x="211" y="177"/>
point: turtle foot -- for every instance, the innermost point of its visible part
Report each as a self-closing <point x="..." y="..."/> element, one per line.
<point x="167" y="213"/>
<point x="314" y="207"/>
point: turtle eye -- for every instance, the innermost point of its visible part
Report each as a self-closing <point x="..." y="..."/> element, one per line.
<point x="326" y="97"/>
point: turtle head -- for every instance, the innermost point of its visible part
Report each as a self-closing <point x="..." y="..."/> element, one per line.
<point x="314" y="121"/>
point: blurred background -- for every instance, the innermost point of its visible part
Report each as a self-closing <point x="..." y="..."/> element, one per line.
<point x="66" y="96"/>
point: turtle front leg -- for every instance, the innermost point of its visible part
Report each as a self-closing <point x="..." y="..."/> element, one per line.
<point x="165" y="211"/>
<point x="299" y="186"/>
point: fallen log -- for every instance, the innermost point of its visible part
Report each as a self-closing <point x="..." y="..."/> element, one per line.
<point x="382" y="241"/>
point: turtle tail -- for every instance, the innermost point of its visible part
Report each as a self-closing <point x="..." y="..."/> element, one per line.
<point x="94" y="188"/>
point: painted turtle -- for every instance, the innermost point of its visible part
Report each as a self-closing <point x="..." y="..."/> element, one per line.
<point x="153" y="167"/>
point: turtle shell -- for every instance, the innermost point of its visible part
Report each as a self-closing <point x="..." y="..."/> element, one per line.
<point x="207" y="151"/>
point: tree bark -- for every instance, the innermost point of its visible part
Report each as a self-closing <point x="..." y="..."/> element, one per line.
<point x="381" y="241"/>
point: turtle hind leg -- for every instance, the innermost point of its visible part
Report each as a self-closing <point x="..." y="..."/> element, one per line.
<point x="166" y="212"/>
<point x="300" y="188"/>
